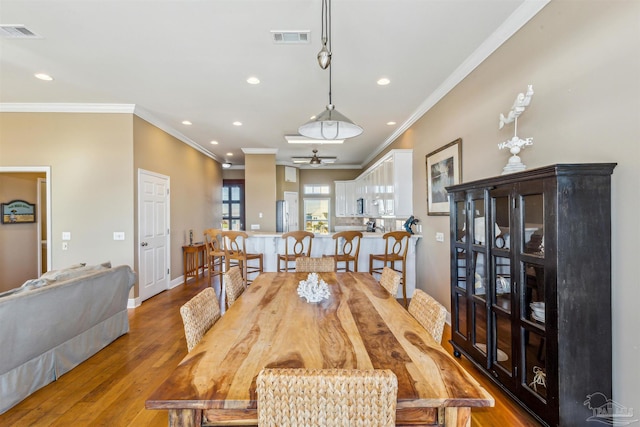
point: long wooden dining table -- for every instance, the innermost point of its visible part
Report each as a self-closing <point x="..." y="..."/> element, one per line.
<point x="360" y="326"/>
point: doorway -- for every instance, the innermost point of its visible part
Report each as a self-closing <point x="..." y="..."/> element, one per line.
<point x="233" y="204"/>
<point x="154" y="254"/>
<point x="42" y="241"/>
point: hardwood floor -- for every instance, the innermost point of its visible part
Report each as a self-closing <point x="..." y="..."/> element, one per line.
<point x="110" y="388"/>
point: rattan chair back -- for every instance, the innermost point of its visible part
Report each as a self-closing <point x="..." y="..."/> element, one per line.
<point x="315" y="265"/>
<point x="199" y="314"/>
<point x="234" y="285"/>
<point x="390" y="280"/>
<point x="326" y="397"/>
<point x="429" y="313"/>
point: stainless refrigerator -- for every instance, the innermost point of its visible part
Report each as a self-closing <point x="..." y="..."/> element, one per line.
<point x="282" y="216"/>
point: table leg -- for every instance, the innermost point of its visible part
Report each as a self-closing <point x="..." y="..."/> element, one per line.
<point x="185" y="417"/>
<point x="454" y="417"/>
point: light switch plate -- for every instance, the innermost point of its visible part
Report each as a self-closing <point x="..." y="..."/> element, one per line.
<point x="66" y="235"/>
<point x="118" y="235"/>
<point x="440" y="237"/>
<point x="255" y="226"/>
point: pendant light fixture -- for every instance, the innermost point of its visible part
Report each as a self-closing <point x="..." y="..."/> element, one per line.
<point x="329" y="124"/>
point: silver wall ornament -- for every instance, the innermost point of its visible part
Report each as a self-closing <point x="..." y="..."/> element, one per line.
<point x="515" y="144"/>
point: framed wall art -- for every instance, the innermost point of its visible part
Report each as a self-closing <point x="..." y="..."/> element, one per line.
<point x="18" y="212"/>
<point x="444" y="168"/>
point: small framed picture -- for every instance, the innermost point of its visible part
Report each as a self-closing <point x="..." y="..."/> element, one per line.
<point x="17" y="212"/>
<point x="444" y="168"/>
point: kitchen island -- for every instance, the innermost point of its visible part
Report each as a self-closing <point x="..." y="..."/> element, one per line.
<point x="271" y="244"/>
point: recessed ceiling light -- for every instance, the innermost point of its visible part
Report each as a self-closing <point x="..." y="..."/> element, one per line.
<point x="230" y="154"/>
<point x="391" y="123"/>
<point x="186" y="122"/>
<point x="384" y="81"/>
<point x="43" y="76"/>
<point x="214" y="142"/>
<point x="237" y="123"/>
<point x="253" y="80"/>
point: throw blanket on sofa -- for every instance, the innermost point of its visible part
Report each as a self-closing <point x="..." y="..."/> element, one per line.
<point x="51" y="325"/>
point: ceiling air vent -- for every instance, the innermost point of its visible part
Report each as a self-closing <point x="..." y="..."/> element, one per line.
<point x="17" y="32"/>
<point x="290" y="37"/>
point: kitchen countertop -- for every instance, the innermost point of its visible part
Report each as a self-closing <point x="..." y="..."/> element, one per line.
<point x="365" y="234"/>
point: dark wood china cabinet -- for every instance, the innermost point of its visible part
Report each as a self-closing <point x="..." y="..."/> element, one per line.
<point x="531" y="285"/>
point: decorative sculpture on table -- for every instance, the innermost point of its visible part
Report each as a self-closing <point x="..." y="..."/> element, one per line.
<point x="516" y="144"/>
<point x="313" y="289"/>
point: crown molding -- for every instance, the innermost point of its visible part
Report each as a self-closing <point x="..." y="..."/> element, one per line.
<point x="104" y="109"/>
<point x="149" y="117"/>
<point x="259" y="150"/>
<point x="509" y="27"/>
<point x="66" y="108"/>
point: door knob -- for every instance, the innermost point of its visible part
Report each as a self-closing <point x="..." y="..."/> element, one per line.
<point x="143" y="244"/>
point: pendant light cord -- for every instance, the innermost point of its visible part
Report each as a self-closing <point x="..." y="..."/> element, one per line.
<point x="326" y="33"/>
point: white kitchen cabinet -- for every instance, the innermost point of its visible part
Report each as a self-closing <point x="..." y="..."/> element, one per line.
<point x="386" y="188"/>
<point x="345" y="198"/>
<point x="391" y="184"/>
<point x="341" y="198"/>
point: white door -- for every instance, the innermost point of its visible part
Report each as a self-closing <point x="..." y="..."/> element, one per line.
<point x="292" y="204"/>
<point x="153" y="233"/>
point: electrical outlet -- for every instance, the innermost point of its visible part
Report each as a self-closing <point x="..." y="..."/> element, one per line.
<point x="65" y="246"/>
<point x="439" y="237"/>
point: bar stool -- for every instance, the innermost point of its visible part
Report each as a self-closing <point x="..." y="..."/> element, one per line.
<point x="296" y="244"/>
<point x="215" y="254"/>
<point x="396" y="244"/>
<point x="347" y="249"/>
<point x="235" y="252"/>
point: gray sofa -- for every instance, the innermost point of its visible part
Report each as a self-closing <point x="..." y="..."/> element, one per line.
<point x="52" y="324"/>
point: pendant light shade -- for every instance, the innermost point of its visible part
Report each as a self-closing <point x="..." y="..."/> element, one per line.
<point x="330" y="124"/>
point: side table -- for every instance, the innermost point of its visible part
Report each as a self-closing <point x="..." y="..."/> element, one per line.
<point x="193" y="258"/>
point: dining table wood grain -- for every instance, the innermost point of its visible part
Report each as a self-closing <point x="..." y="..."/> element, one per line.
<point x="360" y="326"/>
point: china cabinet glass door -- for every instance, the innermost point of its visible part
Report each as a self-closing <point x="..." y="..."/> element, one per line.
<point x="532" y="308"/>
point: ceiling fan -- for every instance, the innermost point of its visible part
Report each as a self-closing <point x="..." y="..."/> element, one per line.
<point x="314" y="160"/>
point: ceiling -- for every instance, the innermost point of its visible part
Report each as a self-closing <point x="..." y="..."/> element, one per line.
<point x="178" y="60"/>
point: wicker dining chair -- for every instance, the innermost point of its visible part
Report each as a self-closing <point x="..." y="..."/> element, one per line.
<point x="315" y="265"/>
<point x="199" y="314"/>
<point x="233" y="285"/>
<point x="326" y="397"/>
<point x="390" y="280"/>
<point x="429" y="313"/>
